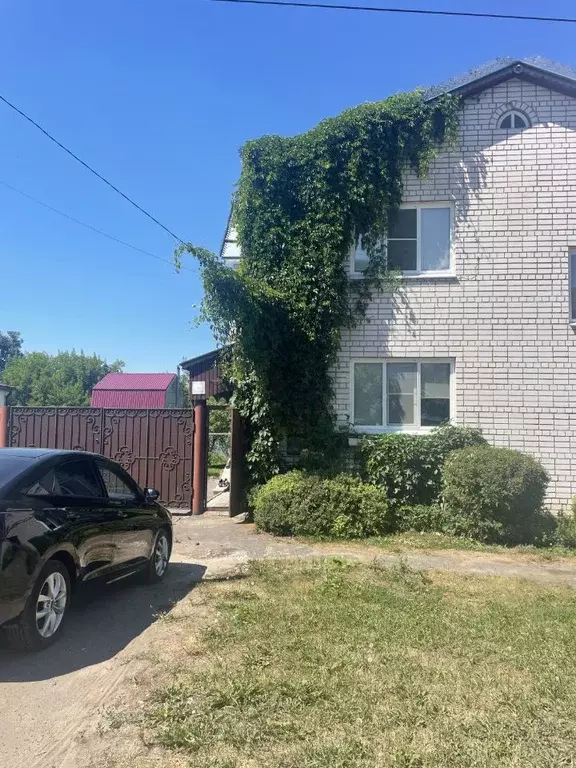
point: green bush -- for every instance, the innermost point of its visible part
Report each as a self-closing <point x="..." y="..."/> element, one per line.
<point x="565" y="533"/>
<point x="419" y="517"/>
<point x="308" y="505"/>
<point x="495" y="494"/>
<point x="410" y="467"/>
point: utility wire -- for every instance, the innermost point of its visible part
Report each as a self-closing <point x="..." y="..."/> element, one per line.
<point x="421" y="11"/>
<point x="89" y="168"/>
<point x="88" y="226"/>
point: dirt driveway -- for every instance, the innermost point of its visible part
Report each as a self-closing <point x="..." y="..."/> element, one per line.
<point x="48" y="699"/>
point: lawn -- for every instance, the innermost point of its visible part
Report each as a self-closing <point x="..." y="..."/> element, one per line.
<point x="426" y="541"/>
<point x="326" y="664"/>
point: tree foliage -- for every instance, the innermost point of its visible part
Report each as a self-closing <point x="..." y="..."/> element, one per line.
<point x="300" y="205"/>
<point x="65" y="379"/>
<point x="10" y="347"/>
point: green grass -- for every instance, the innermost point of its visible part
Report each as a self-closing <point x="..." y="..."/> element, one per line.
<point x="426" y="541"/>
<point x="215" y="471"/>
<point x="334" y="665"/>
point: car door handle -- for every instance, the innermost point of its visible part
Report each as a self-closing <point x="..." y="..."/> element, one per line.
<point x="121" y="514"/>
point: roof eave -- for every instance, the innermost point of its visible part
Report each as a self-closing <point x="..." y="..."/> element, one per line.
<point x="517" y="69"/>
<point x="185" y="364"/>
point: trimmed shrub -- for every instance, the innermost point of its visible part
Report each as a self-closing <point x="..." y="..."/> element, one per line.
<point x="410" y="467"/>
<point x="419" y="517"/>
<point x="495" y="494"/>
<point x="307" y="505"/>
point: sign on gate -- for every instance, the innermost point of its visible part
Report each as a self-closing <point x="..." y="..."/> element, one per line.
<point x="155" y="446"/>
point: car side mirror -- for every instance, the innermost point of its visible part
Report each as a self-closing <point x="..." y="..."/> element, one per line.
<point x="151" y="494"/>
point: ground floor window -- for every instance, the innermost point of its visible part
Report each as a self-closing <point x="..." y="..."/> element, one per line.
<point x="398" y="394"/>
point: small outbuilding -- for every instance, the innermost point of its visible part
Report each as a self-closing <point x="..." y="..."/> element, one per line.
<point x="138" y="390"/>
<point x="205" y="376"/>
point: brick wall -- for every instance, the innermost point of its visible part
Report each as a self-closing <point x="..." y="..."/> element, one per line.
<point x="504" y="317"/>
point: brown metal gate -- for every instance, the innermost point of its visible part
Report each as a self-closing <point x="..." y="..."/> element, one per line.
<point x="155" y="446"/>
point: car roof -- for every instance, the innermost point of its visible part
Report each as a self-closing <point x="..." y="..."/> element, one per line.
<point x="38" y="453"/>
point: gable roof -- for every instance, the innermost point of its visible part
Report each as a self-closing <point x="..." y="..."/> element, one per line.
<point x="534" y="69"/>
<point x="136" y="381"/>
<point x="207" y="359"/>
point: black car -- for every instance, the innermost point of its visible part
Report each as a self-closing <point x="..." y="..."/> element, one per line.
<point x="68" y="517"/>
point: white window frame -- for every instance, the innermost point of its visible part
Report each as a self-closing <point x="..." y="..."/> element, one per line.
<point x="418" y="272"/>
<point x="571" y="277"/>
<point x="514" y="113"/>
<point x="407" y="428"/>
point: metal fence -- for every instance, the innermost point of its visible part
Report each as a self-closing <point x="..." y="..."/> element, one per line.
<point x="155" y="446"/>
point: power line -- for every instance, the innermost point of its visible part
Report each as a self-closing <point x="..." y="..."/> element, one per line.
<point x="89" y="226"/>
<point x="89" y="168"/>
<point x="421" y="11"/>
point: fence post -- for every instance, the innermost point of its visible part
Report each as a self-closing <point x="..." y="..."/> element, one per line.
<point x="200" y="459"/>
<point x="237" y="465"/>
<point x="3" y="426"/>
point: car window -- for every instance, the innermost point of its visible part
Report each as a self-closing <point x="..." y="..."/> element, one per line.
<point x="45" y="486"/>
<point x="116" y="486"/>
<point x="73" y="478"/>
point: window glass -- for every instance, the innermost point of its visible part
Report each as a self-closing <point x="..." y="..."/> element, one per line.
<point x="435" y="393"/>
<point x="513" y="120"/>
<point x="74" y="478"/>
<point x="11" y="466"/>
<point x="402" y="243"/>
<point x="116" y="486"/>
<point x="360" y="259"/>
<point x="435" y="238"/>
<point x="401" y="389"/>
<point x="46" y="486"/>
<point x="402" y="255"/>
<point x="402" y="224"/>
<point x="368" y="394"/>
<point x="573" y="285"/>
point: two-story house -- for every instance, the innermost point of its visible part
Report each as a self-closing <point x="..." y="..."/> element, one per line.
<point x="482" y="330"/>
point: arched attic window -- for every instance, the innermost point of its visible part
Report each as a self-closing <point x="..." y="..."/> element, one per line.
<point x="513" y="119"/>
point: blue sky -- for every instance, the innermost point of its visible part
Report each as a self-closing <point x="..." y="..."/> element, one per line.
<point x="159" y="96"/>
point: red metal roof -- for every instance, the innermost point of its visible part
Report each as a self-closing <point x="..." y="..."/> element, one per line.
<point x="117" y="398"/>
<point x="136" y="381"/>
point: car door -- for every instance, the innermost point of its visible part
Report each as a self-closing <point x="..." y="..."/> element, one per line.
<point x="70" y="499"/>
<point x="138" y="520"/>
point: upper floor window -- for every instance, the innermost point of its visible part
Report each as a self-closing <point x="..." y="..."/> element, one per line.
<point x="513" y="119"/>
<point x="419" y="240"/>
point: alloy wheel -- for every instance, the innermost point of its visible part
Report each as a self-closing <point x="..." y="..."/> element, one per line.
<point x="161" y="554"/>
<point x="51" y="604"/>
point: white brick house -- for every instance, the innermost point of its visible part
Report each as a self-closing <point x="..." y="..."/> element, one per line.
<point x="481" y="328"/>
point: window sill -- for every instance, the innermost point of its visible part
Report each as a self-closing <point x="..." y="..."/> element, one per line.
<point x="572" y="324"/>
<point x="414" y="276"/>
<point x="390" y="431"/>
<point x="429" y="276"/>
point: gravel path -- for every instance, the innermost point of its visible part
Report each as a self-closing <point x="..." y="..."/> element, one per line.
<point x="222" y="545"/>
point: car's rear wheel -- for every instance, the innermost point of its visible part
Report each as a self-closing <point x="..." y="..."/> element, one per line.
<point x="40" y="624"/>
<point x="158" y="563"/>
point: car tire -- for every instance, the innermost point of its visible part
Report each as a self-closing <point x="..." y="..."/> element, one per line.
<point x="41" y="621"/>
<point x="158" y="563"/>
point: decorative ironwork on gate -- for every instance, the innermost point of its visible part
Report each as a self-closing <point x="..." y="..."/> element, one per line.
<point x="155" y="446"/>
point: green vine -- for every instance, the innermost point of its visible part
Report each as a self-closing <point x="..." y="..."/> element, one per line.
<point x="300" y="205"/>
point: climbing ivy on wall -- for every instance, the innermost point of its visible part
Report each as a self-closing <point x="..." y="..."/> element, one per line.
<point x="300" y="204"/>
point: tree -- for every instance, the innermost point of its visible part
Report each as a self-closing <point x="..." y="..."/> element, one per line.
<point x="10" y="348"/>
<point x="65" y="379"/>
